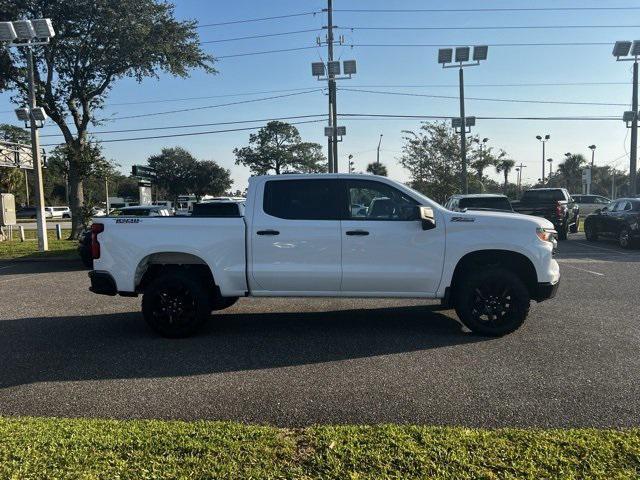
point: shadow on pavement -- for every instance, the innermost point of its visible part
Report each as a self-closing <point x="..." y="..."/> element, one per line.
<point x="116" y="346"/>
<point x="25" y="266"/>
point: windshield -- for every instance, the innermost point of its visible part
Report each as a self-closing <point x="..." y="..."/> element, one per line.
<point x="490" y="203"/>
<point x="543" y="195"/>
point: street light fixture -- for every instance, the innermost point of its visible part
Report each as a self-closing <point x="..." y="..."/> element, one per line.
<point x="622" y="50"/>
<point x="27" y="34"/>
<point x="445" y="57"/>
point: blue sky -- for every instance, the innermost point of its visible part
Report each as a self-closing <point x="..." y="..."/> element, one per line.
<point x="386" y="66"/>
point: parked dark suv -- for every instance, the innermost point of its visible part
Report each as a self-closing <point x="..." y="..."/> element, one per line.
<point x="620" y="219"/>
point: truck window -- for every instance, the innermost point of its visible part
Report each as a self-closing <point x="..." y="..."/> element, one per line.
<point x="371" y="200"/>
<point x="543" y="195"/>
<point x="301" y="199"/>
<point x="491" y="203"/>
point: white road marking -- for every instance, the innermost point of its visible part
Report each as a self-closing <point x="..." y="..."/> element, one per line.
<point x="603" y="248"/>
<point x="583" y="270"/>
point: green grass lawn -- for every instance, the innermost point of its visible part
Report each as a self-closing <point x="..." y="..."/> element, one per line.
<point x="34" y="448"/>
<point x="29" y="248"/>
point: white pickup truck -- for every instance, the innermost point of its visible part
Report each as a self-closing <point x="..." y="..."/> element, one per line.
<point x="328" y="235"/>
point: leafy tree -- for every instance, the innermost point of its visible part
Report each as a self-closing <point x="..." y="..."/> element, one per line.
<point x="504" y="166"/>
<point x="11" y="133"/>
<point x="209" y="178"/>
<point x="97" y="42"/>
<point x="482" y="159"/>
<point x="278" y="147"/>
<point x="179" y="173"/>
<point x="432" y="157"/>
<point x="175" y="169"/>
<point x="376" y="168"/>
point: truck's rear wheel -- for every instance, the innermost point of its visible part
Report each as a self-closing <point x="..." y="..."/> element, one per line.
<point x="175" y="305"/>
<point x="575" y="226"/>
<point x="563" y="232"/>
<point x="493" y="302"/>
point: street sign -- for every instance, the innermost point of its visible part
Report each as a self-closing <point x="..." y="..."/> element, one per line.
<point x="141" y="171"/>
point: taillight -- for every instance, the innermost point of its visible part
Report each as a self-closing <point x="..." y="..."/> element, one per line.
<point x="560" y="210"/>
<point x="96" y="228"/>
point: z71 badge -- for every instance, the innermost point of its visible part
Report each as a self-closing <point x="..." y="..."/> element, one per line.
<point x="463" y="219"/>
<point x="127" y="220"/>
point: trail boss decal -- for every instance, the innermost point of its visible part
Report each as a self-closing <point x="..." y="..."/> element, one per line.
<point x="463" y="219"/>
<point x="127" y="220"/>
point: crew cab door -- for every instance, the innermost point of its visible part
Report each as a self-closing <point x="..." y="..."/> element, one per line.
<point x="295" y="237"/>
<point x="384" y="248"/>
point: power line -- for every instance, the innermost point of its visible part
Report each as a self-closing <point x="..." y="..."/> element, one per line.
<point x="266" y="35"/>
<point x="192" y="125"/>
<point x="192" y="109"/>
<point x="438" y="45"/>
<point x="264" y="52"/>
<point x="375" y="116"/>
<point x="188" y="134"/>
<point x="506" y="100"/>
<point x="498" y="27"/>
<point x="261" y="19"/>
<point x="452" y="85"/>
<point x="451" y="10"/>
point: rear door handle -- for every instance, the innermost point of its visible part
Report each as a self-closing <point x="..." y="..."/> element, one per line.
<point x="268" y="232"/>
<point x="361" y="233"/>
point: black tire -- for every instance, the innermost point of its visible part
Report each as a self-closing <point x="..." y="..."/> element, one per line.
<point x="220" y="303"/>
<point x="590" y="232"/>
<point x="175" y="305"/>
<point x="563" y="232"/>
<point x="574" y="227"/>
<point x="493" y="302"/>
<point x="624" y="238"/>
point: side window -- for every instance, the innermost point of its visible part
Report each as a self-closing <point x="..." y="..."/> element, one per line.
<point x="301" y="199"/>
<point x="601" y="200"/>
<point x="371" y="200"/>
<point x="625" y="206"/>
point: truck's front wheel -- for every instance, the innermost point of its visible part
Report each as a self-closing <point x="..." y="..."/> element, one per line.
<point x="493" y="302"/>
<point x="175" y="305"/>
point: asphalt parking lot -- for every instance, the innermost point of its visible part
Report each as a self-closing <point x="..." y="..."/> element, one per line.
<point x="293" y="362"/>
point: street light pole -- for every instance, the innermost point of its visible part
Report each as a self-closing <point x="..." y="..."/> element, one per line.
<point x="43" y="241"/>
<point x="593" y="156"/>
<point x="463" y="135"/>
<point x="378" y="152"/>
<point x="550" y="160"/>
<point x="544" y="141"/>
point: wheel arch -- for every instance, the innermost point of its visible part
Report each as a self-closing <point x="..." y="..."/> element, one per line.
<point x="158" y="263"/>
<point x="515" y="262"/>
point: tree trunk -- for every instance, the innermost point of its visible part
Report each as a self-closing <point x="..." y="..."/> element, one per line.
<point x="76" y="193"/>
<point x="506" y="181"/>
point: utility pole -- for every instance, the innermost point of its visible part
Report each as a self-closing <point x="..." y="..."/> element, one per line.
<point x="613" y="184"/>
<point x="43" y="241"/>
<point x="519" y="170"/>
<point x="550" y="160"/>
<point x="333" y="112"/>
<point x="633" y="161"/>
<point x="26" y="185"/>
<point x="378" y="154"/>
<point x="350" y="163"/>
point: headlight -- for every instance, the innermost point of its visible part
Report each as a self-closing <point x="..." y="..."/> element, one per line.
<point x="546" y="234"/>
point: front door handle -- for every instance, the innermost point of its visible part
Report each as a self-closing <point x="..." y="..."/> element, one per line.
<point x="361" y="233"/>
<point x="268" y="232"/>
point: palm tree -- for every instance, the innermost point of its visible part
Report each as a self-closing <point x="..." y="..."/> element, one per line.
<point x="376" y="168"/>
<point x="505" y="165"/>
<point x="571" y="171"/>
<point x="484" y="159"/>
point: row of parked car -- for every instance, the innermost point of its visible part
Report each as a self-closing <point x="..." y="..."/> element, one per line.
<point x="49" y="212"/>
<point x="618" y="219"/>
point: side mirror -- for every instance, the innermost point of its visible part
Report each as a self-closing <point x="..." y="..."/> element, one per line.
<point x="426" y="216"/>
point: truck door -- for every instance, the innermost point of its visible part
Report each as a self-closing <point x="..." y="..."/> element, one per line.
<point x="295" y="237"/>
<point x="384" y="248"/>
